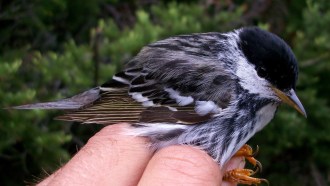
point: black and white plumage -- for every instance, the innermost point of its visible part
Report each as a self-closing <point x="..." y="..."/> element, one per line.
<point x="211" y="90"/>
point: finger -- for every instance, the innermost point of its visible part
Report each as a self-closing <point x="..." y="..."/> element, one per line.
<point x="109" y="158"/>
<point x="49" y="179"/>
<point x="181" y="165"/>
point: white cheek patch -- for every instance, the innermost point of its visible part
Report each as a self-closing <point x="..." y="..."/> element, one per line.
<point x="181" y="100"/>
<point x="250" y="80"/>
<point x="206" y="107"/>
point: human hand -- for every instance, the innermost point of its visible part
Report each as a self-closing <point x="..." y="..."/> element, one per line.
<point x="111" y="158"/>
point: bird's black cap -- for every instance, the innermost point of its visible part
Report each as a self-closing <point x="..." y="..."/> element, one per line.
<point x="272" y="57"/>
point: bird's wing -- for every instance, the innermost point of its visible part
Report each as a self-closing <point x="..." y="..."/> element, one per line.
<point x="177" y="80"/>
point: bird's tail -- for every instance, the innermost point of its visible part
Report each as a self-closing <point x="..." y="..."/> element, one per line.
<point x="73" y="103"/>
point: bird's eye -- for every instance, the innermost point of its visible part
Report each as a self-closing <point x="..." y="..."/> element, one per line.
<point x="261" y="72"/>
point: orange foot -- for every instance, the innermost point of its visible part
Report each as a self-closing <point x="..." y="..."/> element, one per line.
<point x="247" y="152"/>
<point x="243" y="176"/>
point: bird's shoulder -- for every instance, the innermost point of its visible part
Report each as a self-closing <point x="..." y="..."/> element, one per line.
<point x="187" y="65"/>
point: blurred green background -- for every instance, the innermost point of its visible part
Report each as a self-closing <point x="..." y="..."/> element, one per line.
<point x="57" y="48"/>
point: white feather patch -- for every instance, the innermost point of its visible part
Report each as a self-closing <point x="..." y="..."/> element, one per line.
<point x="181" y="100"/>
<point x="148" y="103"/>
<point x="265" y="115"/>
<point x="109" y="89"/>
<point x="154" y="128"/>
<point x="172" y="108"/>
<point x="205" y="107"/>
<point x="138" y="97"/>
<point x="144" y="100"/>
<point x="120" y="79"/>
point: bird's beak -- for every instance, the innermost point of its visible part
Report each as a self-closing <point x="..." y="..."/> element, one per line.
<point x="291" y="99"/>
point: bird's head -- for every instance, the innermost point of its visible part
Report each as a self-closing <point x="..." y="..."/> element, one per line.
<point x="271" y="66"/>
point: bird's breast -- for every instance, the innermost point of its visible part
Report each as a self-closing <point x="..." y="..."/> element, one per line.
<point x="264" y="115"/>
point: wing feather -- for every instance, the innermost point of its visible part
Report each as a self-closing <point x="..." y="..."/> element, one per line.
<point x="114" y="108"/>
<point x="176" y="80"/>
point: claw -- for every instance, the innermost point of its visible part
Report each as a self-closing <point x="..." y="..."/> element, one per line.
<point x="243" y="176"/>
<point x="255" y="163"/>
<point x="259" y="165"/>
<point x="256" y="171"/>
<point x="256" y="151"/>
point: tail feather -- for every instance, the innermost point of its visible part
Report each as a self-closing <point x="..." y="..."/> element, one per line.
<point x="75" y="102"/>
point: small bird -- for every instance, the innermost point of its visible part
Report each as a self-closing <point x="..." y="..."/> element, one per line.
<point x="210" y="90"/>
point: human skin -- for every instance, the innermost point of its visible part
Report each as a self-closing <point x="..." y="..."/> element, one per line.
<point x="112" y="158"/>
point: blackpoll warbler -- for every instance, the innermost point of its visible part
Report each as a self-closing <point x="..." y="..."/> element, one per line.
<point x="211" y="90"/>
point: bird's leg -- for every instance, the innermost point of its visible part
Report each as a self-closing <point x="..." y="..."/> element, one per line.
<point x="247" y="152"/>
<point x="243" y="176"/>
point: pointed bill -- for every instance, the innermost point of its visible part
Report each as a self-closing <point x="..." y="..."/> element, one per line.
<point x="291" y="99"/>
